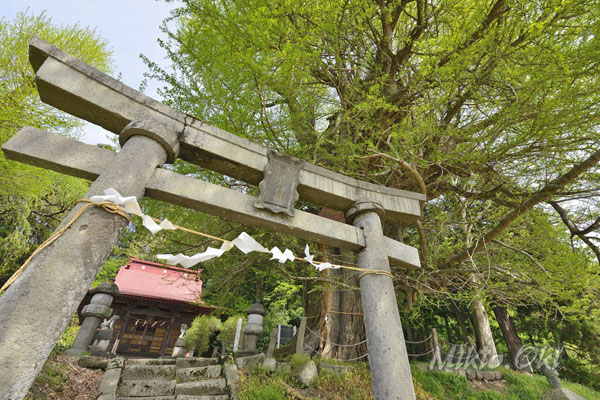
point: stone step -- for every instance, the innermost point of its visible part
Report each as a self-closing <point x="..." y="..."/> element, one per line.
<point x="198" y="373"/>
<point x="150" y="361"/>
<point x="149" y="372"/>
<point x="202" y="388"/>
<point x="146" y="388"/>
<point x="209" y="397"/>
<point x="189" y="362"/>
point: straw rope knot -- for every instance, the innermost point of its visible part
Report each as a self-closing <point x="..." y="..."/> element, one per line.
<point x="375" y="272"/>
<point x="106" y="205"/>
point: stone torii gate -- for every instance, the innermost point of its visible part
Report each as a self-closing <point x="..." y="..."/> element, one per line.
<point x="35" y="310"/>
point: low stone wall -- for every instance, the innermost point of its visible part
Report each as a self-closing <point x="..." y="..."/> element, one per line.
<point x="470" y="374"/>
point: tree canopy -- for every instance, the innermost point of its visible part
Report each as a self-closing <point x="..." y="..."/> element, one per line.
<point x="32" y="200"/>
<point x="489" y="108"/>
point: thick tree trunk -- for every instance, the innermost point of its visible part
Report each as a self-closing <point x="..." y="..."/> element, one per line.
<point x="341" y="325"/>
<point x="483" y="333"/>
<point x="520" y="362"/>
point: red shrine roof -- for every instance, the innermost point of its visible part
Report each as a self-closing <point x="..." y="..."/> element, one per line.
<point x="158" y="281"/>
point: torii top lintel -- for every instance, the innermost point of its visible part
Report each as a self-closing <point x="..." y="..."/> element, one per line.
<point x="81" y="90"/>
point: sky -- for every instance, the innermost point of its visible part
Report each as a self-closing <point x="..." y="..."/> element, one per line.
<point x="130" y="27"/>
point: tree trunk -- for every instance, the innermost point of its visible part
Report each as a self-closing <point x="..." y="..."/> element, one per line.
<point x="520" y="362"/>
<point x="461" y="324"/>
<point x="341" y="324"/>
<point x="483" y="333"/>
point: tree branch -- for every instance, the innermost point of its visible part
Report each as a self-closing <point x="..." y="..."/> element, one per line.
<point x="575" y="230"/>
<point x="496" y="12"/>
<point x="526" y="254"/>
<point x="545" y="193"/>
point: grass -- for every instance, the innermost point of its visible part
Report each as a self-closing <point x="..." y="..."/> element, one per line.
<point x="582" y="391"/>
<point x="430" y="385"/>
<point x="445" y="386"/>
<point x="261" y="386"/>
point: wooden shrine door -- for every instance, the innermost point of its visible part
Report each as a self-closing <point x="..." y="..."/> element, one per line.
<point x="143" y="336"/>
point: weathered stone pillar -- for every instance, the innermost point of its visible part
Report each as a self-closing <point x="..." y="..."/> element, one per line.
<point x="35" y="310"/>
<point x="388" y="360"/>
<point x="254" y="327"/>
<point x="98" y="310"/>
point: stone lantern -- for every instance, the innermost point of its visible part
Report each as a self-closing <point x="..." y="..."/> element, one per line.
<point x="254" y="327"/>
<point x="95" y="312"/>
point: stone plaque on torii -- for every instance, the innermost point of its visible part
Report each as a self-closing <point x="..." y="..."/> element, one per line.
<point x="35" y="310"/>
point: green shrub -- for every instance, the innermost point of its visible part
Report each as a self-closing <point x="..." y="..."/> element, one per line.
<point x="298" y="359"/>
<point x="229" y="328"/>
<point x="576" y="371"/>
<point x="198" y="335"/>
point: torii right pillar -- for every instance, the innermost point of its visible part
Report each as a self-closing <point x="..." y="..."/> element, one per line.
<point x="388" y="360"/>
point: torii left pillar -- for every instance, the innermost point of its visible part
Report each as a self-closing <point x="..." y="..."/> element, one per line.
<point x="36" y="309"/>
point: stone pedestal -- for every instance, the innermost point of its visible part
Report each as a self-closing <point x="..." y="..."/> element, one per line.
<point x="560" y="394"/>
<point x="179" y="350"/>
<point x="100" y="344"/>
<point x="254" y="327"/>
<point x="98" y="310"/>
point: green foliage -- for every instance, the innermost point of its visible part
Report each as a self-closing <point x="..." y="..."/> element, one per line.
<point x="67" y="338"/>
<point x="198" y="335"/>
<point x="283" y="305"/>
<point x="299" y="359"/>
<point x="229" y="329"/>
<point x="485" y="102"/>
<point x="32" y="200"/>
<point x="577" y="370"/>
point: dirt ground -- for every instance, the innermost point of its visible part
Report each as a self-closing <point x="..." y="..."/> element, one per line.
<point x="62" y="379"/>
<point x="499" y="386"/>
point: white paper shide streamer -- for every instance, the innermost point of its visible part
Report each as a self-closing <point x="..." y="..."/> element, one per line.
<point x="153" y="227"/>
<point x="318" y="265"/>
<point x="244" y="242"/>
<point x="247" y="244"/>
<point x="129" y="203"/>
<point x="190" y="261"/>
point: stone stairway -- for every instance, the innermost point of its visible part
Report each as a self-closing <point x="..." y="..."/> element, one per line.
<point x="190" y="378"/>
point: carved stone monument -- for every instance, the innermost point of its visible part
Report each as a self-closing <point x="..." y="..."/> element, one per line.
<point x="32" y="321"/>
<point x="99" y="346"/>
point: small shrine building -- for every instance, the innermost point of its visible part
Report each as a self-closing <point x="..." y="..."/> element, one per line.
<point x="155" y="300"/>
